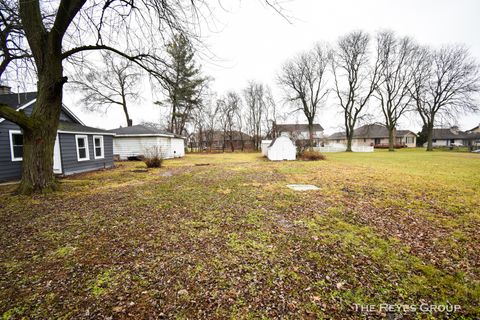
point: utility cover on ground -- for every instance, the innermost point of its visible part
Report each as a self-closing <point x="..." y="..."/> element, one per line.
<point x="302" y="187"/>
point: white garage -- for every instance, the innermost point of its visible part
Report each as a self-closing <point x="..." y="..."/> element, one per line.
<point x="282" y="148"/>
<point x="136" y="140"/>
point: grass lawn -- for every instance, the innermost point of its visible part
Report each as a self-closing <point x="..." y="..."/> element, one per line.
<point x="229" y="240"/>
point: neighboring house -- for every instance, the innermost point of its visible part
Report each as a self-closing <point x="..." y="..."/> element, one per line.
<point x="282" y="148"/>
<point x="374" y="135"/>
<point x="138" y="140"/>
<point x="475" y="130"/>
<point x="78" y="148"/>
<point x="219" y="140"/>
<point x="299" y="133"/>
<point x="447" y="137"/>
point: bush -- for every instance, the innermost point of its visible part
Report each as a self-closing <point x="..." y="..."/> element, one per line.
<point x="309" y="155"/>
<point x="153" y="157"/>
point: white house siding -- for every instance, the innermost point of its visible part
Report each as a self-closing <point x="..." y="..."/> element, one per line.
<point x="126" y="147"/>
<point x="446" y="142"/>
<point x="178" y="147"/>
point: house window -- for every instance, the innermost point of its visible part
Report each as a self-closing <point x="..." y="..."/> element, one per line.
<point x="16" y="145"/>
<point x="434" y="140"/>
<point x="98" y="147"/>
<point x="364" y="140"/>
<point x="377" y="140"/>
<point x="82" y="148"/>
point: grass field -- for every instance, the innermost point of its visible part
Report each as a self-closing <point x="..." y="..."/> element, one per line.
<point x="229" y="240"/>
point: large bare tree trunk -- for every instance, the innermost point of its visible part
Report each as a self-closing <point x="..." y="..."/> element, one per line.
<point x="391" y="139"/>
<point x="310" y="132"/>
<point x="39" y="139"/>
<point x="429" y="137"/>
<point x="349" y="144"/>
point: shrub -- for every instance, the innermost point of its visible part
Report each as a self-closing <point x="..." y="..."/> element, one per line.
<point x="309" y="155"/>
<point x="153" y="157"/>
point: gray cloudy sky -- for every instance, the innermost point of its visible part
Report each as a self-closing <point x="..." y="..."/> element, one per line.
<point x="251" y="41"/>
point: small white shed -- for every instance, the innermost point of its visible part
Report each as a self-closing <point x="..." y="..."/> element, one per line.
<point x="137" y="140"/>
<point x="264" y="146"/>
<point x="282" y="148"/>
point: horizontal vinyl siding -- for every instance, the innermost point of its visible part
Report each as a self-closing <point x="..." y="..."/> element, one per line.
<point x="70" y="163"/>
<point x="9" y="170"/>
<point x="178" y="147"/>
<point x="137" y="146"/>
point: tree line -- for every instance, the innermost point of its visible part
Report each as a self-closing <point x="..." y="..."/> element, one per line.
<point x="393" y="74"/>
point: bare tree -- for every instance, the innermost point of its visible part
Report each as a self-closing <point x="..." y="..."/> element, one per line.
<point x="304" y="81"/>
<point x="272" y="113"/>
<point x="446" y="82"/>
<point x="355" y="78"/>
<point x="54" y="33"/>
<point x="116" y="85"/>
<point x="254" y="96"/>
<point x="396" y="72"/>
<point x="229" y="112"/>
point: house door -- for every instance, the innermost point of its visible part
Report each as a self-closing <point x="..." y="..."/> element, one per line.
<point x="57" y="157"/>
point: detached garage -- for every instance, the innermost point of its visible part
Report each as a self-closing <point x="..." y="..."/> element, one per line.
<point x="136" y="140"/>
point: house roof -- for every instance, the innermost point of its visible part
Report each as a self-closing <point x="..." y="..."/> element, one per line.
<point x="298" y="127"/>
<point x="19" y="101"/>
<point x="370" y="131"/>
<point x="72" y="127"/>
<point x="15" y="100"/>
<point x="476" y="128"/>
<point x="337" y="135"/>
<point x="142" y="130"/>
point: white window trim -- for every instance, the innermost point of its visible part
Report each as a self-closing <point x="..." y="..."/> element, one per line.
<point x="86" y="147"/>
<point x="12" y="132"/>
<point x="95" y="147"/>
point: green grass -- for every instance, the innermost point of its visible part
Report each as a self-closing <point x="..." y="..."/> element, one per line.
<point x="220" y="236"/>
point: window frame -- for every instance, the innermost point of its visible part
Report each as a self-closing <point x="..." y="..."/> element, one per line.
<point x="12" y="154"/>
<point x="82" y="136"/>
<point x="102" y="145"/>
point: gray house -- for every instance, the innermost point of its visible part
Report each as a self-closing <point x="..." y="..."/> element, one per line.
<point x="78" y="148"/>
<point x="375" y="134"/>
<point x="451" y="137"/>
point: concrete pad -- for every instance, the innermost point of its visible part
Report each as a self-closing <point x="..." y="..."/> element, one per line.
<point x="302" y="187"/>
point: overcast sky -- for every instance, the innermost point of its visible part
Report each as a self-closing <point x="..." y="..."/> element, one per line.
<point x="251" y="41"/>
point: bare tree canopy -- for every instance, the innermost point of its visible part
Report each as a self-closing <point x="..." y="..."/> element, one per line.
<point x="446" y="83"/>
<point x="304" y="81"/>
<point x="254" y="97"/>
<point x="117" y="84"/>
<point x="53" y="33"/>
<point x="396" y="79"/>
<point x="355" y="77"/>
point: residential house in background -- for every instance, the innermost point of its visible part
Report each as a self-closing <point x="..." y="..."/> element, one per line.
<point x="299" y="133"/>
<point x="474" y="130"/>
<point x="451" y="137"/>
<point x="375" y="135"/>
<point x="221" y="141"/>
<point x="139" y="140"/>
<point x="78" y="148"/>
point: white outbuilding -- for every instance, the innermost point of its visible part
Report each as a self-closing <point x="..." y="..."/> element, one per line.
<point x="135" y="141"/>
<point x="282" y="148"/>
<point x="264" y="146"/>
